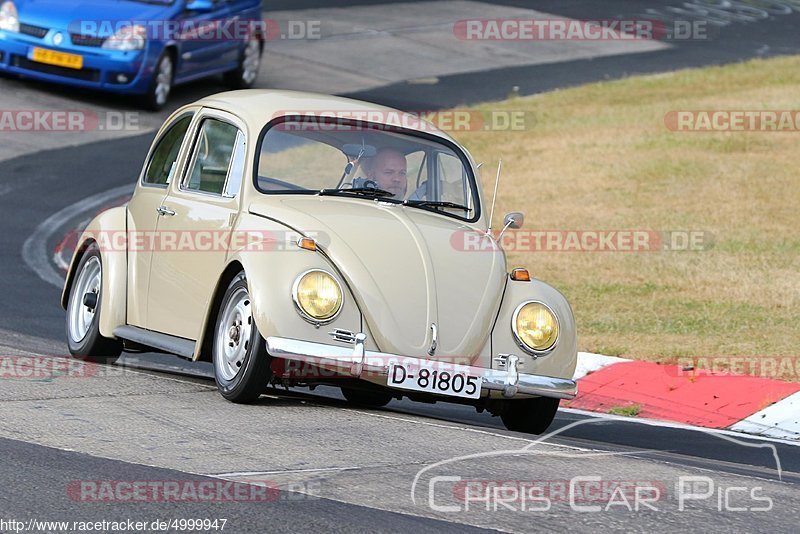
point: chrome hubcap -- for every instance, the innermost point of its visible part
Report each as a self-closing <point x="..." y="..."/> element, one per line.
<point x="233" y="335"/>
<point x="252" y="60"/>
<point x="164" y="80"/>
<point x="85" y="295"/>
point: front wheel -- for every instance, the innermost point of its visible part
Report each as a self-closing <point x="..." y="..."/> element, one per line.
<point x="241" y="363"/>
<point x="83" y="313"/>
<point x="161" y="85"/>
<point x="532" y="416"/>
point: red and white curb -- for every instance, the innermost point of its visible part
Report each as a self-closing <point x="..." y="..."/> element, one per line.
<point x="752" y="405"/>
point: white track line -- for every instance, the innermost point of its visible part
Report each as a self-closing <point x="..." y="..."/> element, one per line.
<point x="34" y="250"/>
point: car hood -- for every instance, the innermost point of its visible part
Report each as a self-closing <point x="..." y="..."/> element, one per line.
<point x="103" y="15"/>
<point x="403" y="271"/>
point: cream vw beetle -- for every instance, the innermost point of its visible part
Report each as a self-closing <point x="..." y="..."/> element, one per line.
<point x="368" y="263"/>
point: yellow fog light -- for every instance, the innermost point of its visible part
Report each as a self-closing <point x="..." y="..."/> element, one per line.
<point x="318" y="296"/>
<point x="535" y="326"/>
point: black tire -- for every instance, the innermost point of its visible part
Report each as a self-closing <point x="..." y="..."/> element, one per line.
<point x="153" y="99"/>
<point x="241" y="77"/>
<point x="92" y="347"/>
<point x="251" y="362"/>
<point x="532" y="416"/>
<point x="371" y="399"/>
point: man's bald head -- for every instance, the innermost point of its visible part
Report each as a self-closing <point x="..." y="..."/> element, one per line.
<point x="388" y="169"/>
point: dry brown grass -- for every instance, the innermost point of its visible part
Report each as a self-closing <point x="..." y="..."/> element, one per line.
<point x="600" y="158"/>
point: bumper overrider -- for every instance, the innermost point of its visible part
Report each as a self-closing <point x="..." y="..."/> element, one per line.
<point x="357" y="361"/>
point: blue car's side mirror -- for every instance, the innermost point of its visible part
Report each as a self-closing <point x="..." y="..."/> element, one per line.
<point x="200" y="5"/>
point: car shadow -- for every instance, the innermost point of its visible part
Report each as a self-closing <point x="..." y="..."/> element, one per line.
<point x="181" y="95"/>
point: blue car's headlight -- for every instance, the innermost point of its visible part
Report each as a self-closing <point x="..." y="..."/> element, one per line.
<point x="127" y="38"/>
<point x="9" y="20"/>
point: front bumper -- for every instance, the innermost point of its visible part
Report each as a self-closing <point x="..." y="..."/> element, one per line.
<point x="357" y="361"/>
<point x="101" y="68"/>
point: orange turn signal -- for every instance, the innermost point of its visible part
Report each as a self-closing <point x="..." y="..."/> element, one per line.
<point x="521" y="275"/>
<point x="307" y="243"/>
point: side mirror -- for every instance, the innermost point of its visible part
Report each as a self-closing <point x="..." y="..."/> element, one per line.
<point x="514" y="220"/>
<point x="200" y="5"/>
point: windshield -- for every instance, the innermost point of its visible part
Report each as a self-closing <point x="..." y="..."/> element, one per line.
<point x="367" y="161"/>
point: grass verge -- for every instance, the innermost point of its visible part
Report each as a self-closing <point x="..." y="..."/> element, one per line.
<point x="600" y="157"/>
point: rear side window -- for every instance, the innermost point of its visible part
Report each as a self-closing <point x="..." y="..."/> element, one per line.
<point x="162" y="164"/>
<point x="212" y="157"/>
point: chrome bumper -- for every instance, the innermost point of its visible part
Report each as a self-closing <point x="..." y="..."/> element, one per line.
<point x="357" y="361"/>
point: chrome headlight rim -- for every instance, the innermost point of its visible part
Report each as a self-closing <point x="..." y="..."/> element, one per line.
<point x="302" y="312"/>
<point x="519" y="340"/>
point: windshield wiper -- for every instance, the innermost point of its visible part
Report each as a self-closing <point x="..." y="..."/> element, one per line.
<point x="436" y="204"/>
<point x="365" y="191"/>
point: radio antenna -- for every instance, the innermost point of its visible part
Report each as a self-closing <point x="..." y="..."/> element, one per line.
<point x="494" y="198"/>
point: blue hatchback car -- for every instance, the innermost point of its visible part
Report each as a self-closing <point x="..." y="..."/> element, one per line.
<point x="137" y="47"/>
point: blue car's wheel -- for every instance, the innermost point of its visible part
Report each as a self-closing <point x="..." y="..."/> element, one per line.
<point x="161" y="85"/>
<point x="246" y="74"/>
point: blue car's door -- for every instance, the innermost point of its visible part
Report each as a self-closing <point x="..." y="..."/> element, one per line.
<point x="206" y="41"/>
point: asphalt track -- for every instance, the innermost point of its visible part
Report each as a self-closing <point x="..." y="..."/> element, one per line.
<point x="36" y="468"/>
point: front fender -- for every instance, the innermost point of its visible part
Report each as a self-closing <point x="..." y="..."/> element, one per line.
<point x="271" y="271"/>
<point x="102" y="230"/>
<point x="561" y="361"/>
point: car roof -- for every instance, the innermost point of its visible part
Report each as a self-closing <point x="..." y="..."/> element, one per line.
<point x="257" y="107"/>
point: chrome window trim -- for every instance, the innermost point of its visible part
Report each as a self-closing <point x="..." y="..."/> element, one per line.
<point x="190" y="166"/>
<point x="236" y="167"/>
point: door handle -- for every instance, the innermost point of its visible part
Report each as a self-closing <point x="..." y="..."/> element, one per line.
<point x="163" y="210"/>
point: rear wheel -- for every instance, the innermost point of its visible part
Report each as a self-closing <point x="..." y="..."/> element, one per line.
<point x="83" y="313"/>
<point x="532" y="416"/>
<point x="241" y="363"/>
<point x="246" y="74"/>
<point x="372" y="399"/>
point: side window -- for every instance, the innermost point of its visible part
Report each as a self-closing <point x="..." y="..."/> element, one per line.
<point x="453" y="182"/>
<point x="162" y="164"/>
<point x="417" y="172"/>
<point x="212" y="157"/>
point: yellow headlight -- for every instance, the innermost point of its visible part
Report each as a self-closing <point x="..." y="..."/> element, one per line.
<point x="318" y="295"/>
<point x="535" y="326"/>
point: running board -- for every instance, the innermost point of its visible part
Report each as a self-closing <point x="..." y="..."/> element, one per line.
<point x="174" y="345"/>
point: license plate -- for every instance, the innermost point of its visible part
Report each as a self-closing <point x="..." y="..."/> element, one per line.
<point x="59" y="59"/>
<point x="440" y="381"/>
